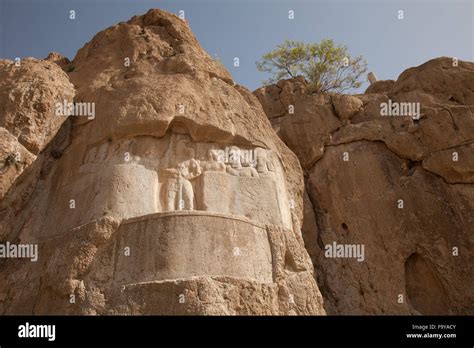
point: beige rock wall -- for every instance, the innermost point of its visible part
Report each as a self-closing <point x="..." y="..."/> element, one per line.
<point x="141" y="213"/>
<point x="29" y="92"/>
<point x="399" y="186"/>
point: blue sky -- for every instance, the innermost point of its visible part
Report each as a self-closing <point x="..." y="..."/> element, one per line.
<point x="249" y="28"/>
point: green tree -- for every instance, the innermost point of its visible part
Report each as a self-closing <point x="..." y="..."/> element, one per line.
<point x="326" y="67"/>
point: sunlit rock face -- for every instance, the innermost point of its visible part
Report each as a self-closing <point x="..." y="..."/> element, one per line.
<point x="143" y="175"/>
<point x="174" y="197"/>
<point x="29" y="91"/>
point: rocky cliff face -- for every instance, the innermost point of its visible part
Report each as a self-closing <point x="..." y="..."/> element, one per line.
<point x="166" y="191"/>
<point x="28" y="93"/>
<point x="401" y="187"/>
<point x="153" y="184"/>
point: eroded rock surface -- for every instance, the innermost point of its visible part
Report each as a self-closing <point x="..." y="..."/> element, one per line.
<point x="174" y="196"/>
<point x="29" y="92"/>
<point x="401" y="186"/>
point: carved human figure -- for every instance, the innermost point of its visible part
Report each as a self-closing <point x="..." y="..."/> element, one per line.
<point x="264" y="165"/>
<point x="248" y="172"/>
<point x="179" y="194"/>
<point x="235" y="161"/>
<point x="213" y="163"/>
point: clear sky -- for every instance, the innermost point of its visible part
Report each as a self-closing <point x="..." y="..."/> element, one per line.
<point x="249" y="28"/>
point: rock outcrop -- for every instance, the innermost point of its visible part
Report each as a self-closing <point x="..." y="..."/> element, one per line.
<point x="29" y="91"/>
<point x="173" y="194"/>
<point x="401" y="187"/>
<point x="151" y="183"/>
<point x="382" y="86"/>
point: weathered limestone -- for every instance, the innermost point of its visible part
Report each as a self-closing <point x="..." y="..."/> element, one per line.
<point x="177" y="246"/>
<point x="455" y="165"/>
<point x="29" y="91"/>
<point x="400" y="187"/>
<point x="176" y="198"/>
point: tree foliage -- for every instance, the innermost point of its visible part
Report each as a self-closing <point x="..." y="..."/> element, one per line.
<point x="327" y="67"/>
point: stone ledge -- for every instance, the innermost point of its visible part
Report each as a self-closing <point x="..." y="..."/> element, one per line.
<point x="192" y="213"/>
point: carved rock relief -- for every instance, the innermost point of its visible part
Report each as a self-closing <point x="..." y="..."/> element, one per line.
<point x="144" y="175"/>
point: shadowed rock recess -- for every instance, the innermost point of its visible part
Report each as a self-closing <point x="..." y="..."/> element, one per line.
<point x="185" y="193"/>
